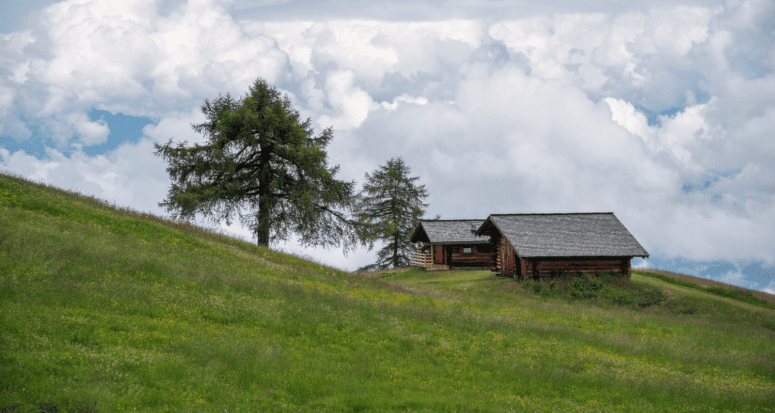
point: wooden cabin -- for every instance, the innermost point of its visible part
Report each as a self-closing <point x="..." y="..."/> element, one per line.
<point x="535" y="245"/>
<point x="451" y="244"/>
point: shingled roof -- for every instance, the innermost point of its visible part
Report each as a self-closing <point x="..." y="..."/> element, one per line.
<point x="449" y="231"/>
<point x="565" y="235"/>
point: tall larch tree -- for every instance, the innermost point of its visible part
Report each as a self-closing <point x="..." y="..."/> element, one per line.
<point x="391" y="205"/>
<point x="265" y="165"/>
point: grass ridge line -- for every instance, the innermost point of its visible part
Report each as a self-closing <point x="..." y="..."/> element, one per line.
<point x="166" y="221"/>
<point x="704" y="284"/>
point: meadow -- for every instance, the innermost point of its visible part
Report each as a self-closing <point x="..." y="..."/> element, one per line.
<point x="108" y="310"/>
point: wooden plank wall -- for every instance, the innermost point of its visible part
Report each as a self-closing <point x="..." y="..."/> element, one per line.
<point x="478" y="257"/>
<point x="544" y="267"/>
<point x="505" y="259"/>
<point x="510" y="259"/>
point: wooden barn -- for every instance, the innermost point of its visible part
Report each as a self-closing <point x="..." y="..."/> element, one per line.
<point x="535" y="245"/>
<point x="450" y="244"/>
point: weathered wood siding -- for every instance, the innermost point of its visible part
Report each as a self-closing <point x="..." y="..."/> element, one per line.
<point x="478" y="257"/>
<point x="543" y="267"/>
<point x="453" y="255"/>
<point x="505" y="258"/>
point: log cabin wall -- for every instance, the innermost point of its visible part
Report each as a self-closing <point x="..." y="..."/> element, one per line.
<point x="543" y="267"/>
<point x="522" y="268"/>
<point x="501" y="262"/>
<point x="506" y="258"/>
<point x="495" y="251"/>
<point x="511" y="260"/>
<point x="479" y="255"/>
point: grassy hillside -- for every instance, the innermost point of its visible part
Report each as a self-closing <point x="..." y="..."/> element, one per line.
<point x="108" y="310"/>
<point x="760" y="298"/>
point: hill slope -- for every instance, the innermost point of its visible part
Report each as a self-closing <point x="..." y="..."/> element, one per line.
<point x="109" y="310"/>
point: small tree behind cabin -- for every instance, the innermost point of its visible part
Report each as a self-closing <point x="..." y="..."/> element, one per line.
<point x="391" y="205"/>
<point x="260" y="157"/>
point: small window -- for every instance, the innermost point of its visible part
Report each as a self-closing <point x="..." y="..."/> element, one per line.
<point x="466" y="250"/>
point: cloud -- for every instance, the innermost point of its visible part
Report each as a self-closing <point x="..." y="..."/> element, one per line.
<point x="770" y="288"/>
<point x="436" y="10"/>
<point x="672" y="138"/>
<point x="735" y="278"/>
<point x="501" y="127"/>
<point x="177" y="126"/>
<point x="91" y="133"/>
<point x="84" y="54"/>
<point x="349" y="102"/>
<point x="241" y="5"/>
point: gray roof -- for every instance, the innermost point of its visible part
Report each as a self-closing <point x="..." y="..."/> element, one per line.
<point x="451" y="231"/>
<point x="565" y="235"/>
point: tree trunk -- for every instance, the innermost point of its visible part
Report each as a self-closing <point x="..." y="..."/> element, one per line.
<point x="262" y="235"/>
<point x="262" y="230"/>
<point x="265" y="202"/>
<point x="395" y="250"/>
<point x="395" y="219"/>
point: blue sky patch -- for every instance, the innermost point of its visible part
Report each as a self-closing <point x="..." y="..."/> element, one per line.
<point x="123" y="129"/>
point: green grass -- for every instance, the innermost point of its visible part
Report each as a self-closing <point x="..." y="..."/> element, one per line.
<point x="109" y="310"/>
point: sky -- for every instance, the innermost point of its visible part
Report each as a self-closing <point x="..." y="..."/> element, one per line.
<point x="662" y="112"/>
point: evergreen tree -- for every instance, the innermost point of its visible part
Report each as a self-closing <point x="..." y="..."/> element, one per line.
<point x="391" y="205"/>
<point x="262" y="163"/>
